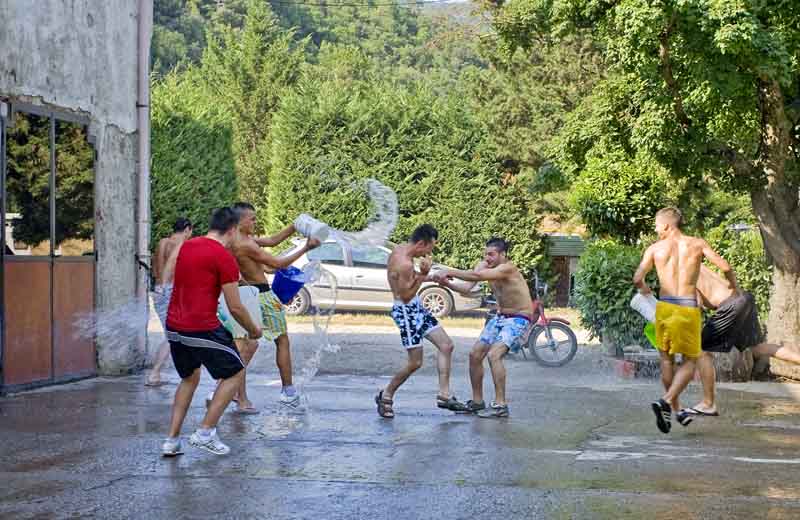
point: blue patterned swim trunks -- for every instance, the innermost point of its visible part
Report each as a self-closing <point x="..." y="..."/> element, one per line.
<point x="414" y="321"/>
<point x="508" y="330"/>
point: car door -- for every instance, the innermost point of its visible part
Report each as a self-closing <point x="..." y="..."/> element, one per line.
<point x="370" y="283"/>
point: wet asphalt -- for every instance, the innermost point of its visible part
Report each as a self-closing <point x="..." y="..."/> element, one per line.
<point x="581" y="442"/>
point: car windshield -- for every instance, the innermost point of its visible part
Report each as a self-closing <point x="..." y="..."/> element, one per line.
<point x="327" y="253"/>
<point x="370" y="257"/>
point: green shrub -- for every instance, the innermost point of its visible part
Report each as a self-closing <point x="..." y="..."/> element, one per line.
<point x="603" y="291"/>
<point x="192" y="155"/>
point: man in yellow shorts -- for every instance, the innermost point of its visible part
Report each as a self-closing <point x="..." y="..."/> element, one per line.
<point x="252" y="262"/>
<point x="677" y="259"/>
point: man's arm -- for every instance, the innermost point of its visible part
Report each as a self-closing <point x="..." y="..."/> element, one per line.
<point x="481" y="274"/>
<point x="720" y="262"/>
<point x="277" y="238"/>
<point x="460" y="286"/>
<point x="257" y="254"/>
<point x="645" y="266"/>
<point x="238" y="310"/>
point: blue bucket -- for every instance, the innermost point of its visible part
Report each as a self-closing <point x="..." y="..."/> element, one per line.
<point x="287" y="283"/>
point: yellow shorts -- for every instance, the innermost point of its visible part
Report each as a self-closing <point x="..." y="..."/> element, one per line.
<point x="678" y="329"/>
<point x="273" y="317"/>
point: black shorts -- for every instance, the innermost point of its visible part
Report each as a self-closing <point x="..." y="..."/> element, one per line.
<point x="213" y="349"/>
<point x="735" y="324"/>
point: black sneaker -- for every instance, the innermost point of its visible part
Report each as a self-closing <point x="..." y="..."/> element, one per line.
<point x="663" y="413"/>
<point x="473" y="407"/>
<point x="684" y="418"/>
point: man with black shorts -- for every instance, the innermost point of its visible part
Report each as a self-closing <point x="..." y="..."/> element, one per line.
<point x="734" y="324"/>
<point x="204" y="268"/>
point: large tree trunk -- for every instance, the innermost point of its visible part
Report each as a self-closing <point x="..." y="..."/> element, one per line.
<point x="775" y="203"/>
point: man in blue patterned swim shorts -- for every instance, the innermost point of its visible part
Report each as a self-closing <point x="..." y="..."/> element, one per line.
<point x="503" y="333"/>
<point x="414" y="320"/>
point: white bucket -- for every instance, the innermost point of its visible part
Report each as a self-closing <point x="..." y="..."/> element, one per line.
<point x="249" y="296"/>
<point x="310" y="227"/>
<point x="645" y="305"/>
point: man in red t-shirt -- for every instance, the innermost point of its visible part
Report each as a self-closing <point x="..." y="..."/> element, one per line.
<point x="205" y="268"/>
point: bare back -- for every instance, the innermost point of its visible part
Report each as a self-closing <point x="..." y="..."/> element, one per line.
<point x="713" y="288"/>
<point x="166" y="247"/>
<point x="512" y="292"/>
<point x="678" y="260"/>
<point x="403" y="279"/>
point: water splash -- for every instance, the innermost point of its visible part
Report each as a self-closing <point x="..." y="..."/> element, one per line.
<point x="380" y="226"/>
<point x="117" y="328"/>
<point x="382" y="221"/>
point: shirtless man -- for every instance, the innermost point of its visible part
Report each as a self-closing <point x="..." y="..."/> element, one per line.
<point x="734" y="324"/>
<point x="504" y="332"/>
<point x="252" y="262"/>
<point x="167" y="248"/>
<point x="414" y="320"/>
<point x="677" y="259"/>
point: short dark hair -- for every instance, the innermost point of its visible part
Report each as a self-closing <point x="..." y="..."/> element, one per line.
<point x="501" y="244"/>
<point x="181" y="224"/>
<point x="672" y="214"/>
<point x="241" y="207"/>
<point x="223" y="220"/>
<point x="424" y="233"/>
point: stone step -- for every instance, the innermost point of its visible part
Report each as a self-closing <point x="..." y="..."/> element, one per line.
<point x="784" y="369"/>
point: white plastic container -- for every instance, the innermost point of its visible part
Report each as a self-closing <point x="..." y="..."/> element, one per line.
<point x="645" y="305"/>
<point x="310" y="227"/>
<point x="249" y="296"/>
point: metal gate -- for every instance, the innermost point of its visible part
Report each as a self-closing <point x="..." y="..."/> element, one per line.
<point x="47" y="274"/>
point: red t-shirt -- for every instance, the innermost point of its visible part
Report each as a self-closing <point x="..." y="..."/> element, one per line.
<point x="202" y="268"/>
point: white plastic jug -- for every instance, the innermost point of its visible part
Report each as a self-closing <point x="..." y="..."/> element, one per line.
<point x="310" y="227"/>
<point x="249" y="296"/>
<point x="645" y="305"/>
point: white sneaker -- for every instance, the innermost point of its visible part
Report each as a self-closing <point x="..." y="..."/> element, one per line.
<point x="171" y="448"/>
<point x="290" y="401"/>
<point x="211" y="444"/>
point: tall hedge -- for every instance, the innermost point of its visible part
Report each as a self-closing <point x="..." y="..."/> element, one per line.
<point x="192" y="154"/>
<point x="336" y="130"/>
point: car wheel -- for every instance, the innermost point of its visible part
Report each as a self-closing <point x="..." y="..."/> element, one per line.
<point x="299" y="304"/>
<point x="437" y="301"/>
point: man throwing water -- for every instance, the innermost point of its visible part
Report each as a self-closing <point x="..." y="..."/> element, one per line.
<point x="677" y="259"/>
<point x="252" y="262"/>
<point x="414" y="320"/>
<point x="504" y="332"/>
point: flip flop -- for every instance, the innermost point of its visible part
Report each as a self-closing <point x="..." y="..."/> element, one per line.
<point x="156" y="384"/>
<point x="695" y="411"/>
<point x="246" y="411"/>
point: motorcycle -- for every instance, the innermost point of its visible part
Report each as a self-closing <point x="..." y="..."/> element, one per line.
<point x="549" y="340"/>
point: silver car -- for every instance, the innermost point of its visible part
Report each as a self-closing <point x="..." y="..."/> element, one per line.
<point x="362" y="284"/>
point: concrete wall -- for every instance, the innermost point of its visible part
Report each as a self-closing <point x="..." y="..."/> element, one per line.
<point x="81" y="56"/>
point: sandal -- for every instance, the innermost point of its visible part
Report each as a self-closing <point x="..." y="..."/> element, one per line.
<point x="384" y="406"/>
<point x="450" y="403"/>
